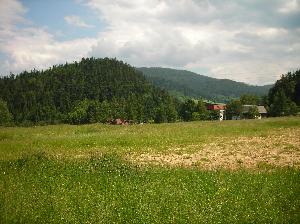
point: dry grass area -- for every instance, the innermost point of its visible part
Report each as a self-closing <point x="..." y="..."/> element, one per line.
<point x="280" y="148"/>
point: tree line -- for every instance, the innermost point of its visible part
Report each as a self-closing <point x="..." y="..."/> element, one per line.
<point x="283" y="99"/>
<point x="101" y="90"/>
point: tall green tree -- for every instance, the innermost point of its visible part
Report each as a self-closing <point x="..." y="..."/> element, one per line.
<point x="171" y="111"/>
<point x="202" y="110"/>
<point x="187" y="109"/>
<point x="93" y="112"/>
<point x="160" y="114"/>
<point x="284" y="96"/>
<point x="282" y="105"/>
<point x="5" y="116"/>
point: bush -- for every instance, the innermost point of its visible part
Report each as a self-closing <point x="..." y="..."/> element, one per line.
<point x="79" y="115"/>
<point x="234" y="108"/>
<point x="214" y="115"/>
<point x="252" y="113"/>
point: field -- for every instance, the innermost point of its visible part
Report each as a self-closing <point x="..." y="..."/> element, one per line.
<point x="198" y="172"/>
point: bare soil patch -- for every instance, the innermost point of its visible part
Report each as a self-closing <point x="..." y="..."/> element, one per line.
<point x="280" y="148"/>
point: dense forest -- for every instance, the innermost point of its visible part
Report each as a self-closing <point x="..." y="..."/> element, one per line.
<point x="102" y="90"/>
<point x="92" y="90"/>
<point x="184" y="83"/>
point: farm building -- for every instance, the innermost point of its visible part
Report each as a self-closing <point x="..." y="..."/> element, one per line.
<point x="220" y="107"/>
<point x="120" y="121"/>
<point x="261" y="110"/>
<point x="246" y="112"/>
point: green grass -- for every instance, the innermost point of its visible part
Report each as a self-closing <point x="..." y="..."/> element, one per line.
<point x="108" y="190"/>
<point x="86" y="139"/>
<point x="41" y="180"/>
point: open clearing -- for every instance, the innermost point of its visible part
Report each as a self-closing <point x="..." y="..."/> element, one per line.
<point x="207" y="145"/>
<point x="278" y="149"/>
<point x="198" y="172"/>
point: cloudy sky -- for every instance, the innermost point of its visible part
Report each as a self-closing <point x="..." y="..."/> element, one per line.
<point x="252" y="41"/>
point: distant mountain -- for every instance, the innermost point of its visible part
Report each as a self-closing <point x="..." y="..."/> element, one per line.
<point x="183" y="83"/>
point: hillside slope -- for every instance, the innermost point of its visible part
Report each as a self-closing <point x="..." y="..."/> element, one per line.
<point x="85" y="92"/>
<point x="194" y="85"/>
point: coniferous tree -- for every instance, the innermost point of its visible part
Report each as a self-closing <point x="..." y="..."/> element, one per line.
<point x="5" y="115"/>
<point x="202" y="110"/>
<point x="187" y="110"/>
<point x="105" y="114"/>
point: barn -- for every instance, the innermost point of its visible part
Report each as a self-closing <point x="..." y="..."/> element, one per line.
<point x="220" y="107"/>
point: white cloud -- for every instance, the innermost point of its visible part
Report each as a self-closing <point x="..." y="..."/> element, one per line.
<point x="77" y="21"/>
<point x="137" y="33"/>
<point x="229" y="40"/>
<point x="250" y="41"/>
<point x="290" y="6"/>
<point x="33" y="47"/>
<point x="11" y="12"/>
<point x="37" y="49"/>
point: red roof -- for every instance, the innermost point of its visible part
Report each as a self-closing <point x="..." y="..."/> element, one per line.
<point x="216" y="107"/>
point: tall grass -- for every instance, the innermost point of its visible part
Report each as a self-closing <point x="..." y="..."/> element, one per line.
<point x="38" y="189"/>
<point x="44" y="179"/>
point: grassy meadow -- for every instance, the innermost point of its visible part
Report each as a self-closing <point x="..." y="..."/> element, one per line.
<point x="198" y="172"/>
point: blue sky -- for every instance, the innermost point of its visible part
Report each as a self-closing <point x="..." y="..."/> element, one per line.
<point x="252" y="41"/>
<point x="53" y="18"/>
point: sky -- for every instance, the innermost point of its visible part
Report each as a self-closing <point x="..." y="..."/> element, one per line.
<point x="251" y="41"/>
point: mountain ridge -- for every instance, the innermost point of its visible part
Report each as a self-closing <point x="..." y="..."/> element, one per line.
<point x="189" y="84"/>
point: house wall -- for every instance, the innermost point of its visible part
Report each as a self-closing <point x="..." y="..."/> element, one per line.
<point x="222" y="115"/>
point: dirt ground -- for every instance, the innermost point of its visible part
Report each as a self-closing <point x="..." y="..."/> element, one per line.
<point x="278" y="149"/>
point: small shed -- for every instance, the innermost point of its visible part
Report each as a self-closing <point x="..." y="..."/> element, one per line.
<point x="120" y="121"/>
<point x="261" y="110"/>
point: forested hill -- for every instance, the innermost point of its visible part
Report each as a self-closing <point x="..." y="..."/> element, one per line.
<point x="92" y="90"/>
<point x="181" y="82"/>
